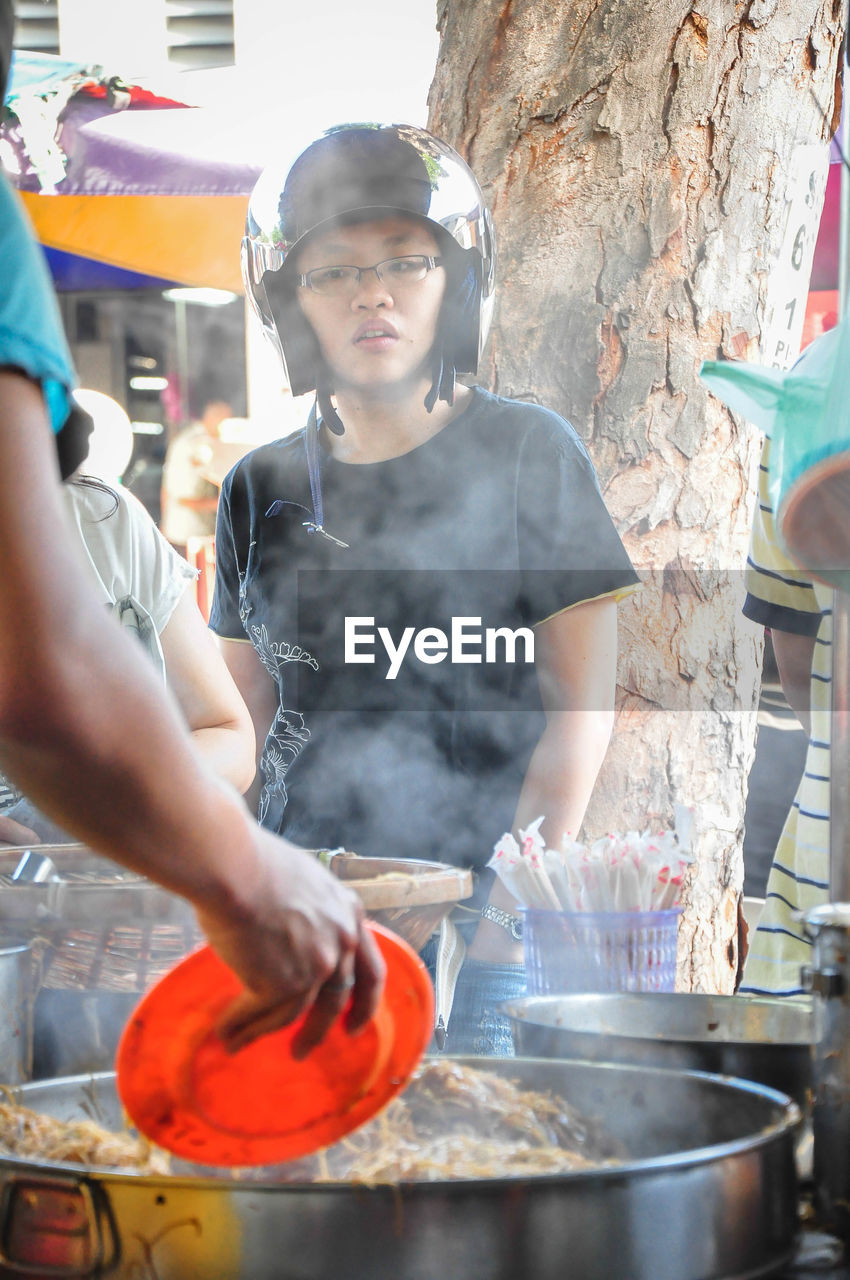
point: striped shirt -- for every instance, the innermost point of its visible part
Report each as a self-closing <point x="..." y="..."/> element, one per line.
<point x="782" y="597"/>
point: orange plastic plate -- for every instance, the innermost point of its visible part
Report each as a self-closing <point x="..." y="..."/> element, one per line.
<point x="260" y="1105"/>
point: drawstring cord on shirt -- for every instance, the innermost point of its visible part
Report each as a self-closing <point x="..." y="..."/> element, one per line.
<point x="314" y="470"/>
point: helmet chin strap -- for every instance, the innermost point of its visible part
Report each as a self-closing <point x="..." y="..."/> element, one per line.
<point x="330" y="417"/>
<point x="443" y="383"/>
<point x="314" y="471"/>
<point x="442" y="388"/>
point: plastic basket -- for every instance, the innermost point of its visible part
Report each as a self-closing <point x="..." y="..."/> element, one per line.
<point x="571" y="951"/>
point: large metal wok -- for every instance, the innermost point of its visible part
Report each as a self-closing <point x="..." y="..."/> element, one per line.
<point x="757" y="1038"/>
<point x="709" y="1193"/>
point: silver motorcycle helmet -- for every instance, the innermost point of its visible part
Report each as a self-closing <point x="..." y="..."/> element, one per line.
<point x="358" y="173"/>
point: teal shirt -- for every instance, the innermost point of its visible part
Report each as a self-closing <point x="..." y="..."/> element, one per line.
<point x="31" y="334"/>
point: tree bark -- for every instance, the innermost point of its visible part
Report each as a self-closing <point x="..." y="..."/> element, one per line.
<point x="637" y="156"/>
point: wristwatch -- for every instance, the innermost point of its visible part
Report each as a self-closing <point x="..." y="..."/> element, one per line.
<point x="504" y="920"/>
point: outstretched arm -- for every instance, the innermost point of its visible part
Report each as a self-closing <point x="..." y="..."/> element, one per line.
<point x="89" y="734"/>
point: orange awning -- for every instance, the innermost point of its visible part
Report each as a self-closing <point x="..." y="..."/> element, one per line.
<point x="193" y="240"/>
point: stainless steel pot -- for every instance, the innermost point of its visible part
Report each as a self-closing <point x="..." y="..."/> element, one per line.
<point x="757" y="1038"/>
<point x="76" y="1032"/>
<point x="710" y="1193"/>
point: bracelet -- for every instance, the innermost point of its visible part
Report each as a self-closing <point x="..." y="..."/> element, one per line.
<point x="504" y="920"/>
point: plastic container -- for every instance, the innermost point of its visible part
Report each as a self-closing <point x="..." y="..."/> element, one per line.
<point x="571" y="951"/>
<point x="261" y="1105"/>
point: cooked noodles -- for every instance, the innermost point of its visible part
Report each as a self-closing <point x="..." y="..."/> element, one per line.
<point x="33" y="1136"/>
<point x="455" y="1121"/>
<point x="452" y="1122"/>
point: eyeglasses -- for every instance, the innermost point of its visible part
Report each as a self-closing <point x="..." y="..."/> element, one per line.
<point x="396" y="273"/>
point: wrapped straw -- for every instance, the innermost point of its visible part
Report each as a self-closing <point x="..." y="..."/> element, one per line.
<point x="638" y="871"/>
<point x="513" y="871"/>
<point x="520" y="868"/>
<point x="556" y="873"/>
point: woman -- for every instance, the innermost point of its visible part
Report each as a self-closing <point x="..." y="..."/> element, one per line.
<point x="427" y="575"/>
<point x="144" y="583"/>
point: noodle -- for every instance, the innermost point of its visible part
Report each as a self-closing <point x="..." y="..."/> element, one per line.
<point x="455" y="1121"/>
<point x="452" y="1122"/>
<point x="33" y="1136"/>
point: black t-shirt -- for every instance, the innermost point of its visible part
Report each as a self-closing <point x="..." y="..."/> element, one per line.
<point x="455" y="550"/>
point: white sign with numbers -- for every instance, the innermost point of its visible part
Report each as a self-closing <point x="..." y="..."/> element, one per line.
<point x="788" y="286"/>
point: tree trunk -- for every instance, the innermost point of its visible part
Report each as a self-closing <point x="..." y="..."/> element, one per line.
<point x="638" y="156"/>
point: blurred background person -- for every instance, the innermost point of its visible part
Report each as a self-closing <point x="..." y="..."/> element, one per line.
<point x="149" y="589"/>
<point x="798" y="610"/>
<point x="189" y="500"/>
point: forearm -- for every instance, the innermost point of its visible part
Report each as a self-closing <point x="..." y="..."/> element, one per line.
<point x="576" y="672"/>
<point x="561" y="776"/>
<point x="218" y="719"/>
<point x="557" y="786"/>
<point x="576" y="666"/>
<point x="252" y="792"/>
<point x="85" y="729"/>
<point x="273" y="914"/>
<point x="563" y="771"/>
<point x="260" y="696"/>
<point x="222" y="748"/>
<point x="117" y="769"/>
